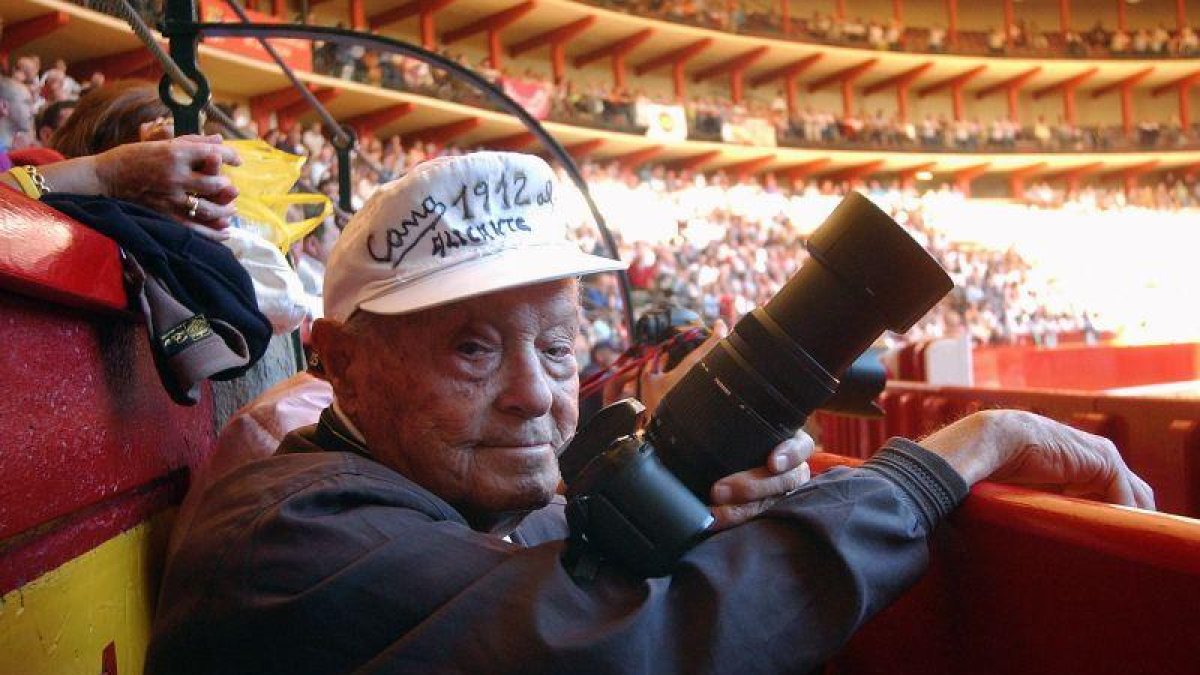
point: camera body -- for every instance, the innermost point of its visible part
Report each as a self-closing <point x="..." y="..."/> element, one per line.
<point x="622" y="502"/>
<point x="637" y="495"/>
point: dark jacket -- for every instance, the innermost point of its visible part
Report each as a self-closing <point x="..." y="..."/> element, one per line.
<point x="319" y="561"/>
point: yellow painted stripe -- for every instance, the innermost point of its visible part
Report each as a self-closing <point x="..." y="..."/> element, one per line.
<point x="60" y="623"/>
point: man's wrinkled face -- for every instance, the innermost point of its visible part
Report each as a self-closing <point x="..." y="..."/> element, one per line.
<point x="469" y="400"/>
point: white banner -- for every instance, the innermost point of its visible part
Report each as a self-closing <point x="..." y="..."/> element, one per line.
<point x="749" y="131"/>
<point x="662" y="122"/>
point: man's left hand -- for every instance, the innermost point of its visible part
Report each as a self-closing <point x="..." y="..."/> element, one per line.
<point x="743" y="495"/>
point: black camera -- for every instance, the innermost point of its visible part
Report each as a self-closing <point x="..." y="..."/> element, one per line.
<point x="637" y="495"/>
<point x="663" y="321"/>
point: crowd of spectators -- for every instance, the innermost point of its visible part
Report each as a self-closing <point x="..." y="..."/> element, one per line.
<point x="721" y="248"/>
<point x="600" y="105"/>
<point x="715" y="245"/>
<point x="1142" y="42"/>
<point x="597" y="103"/>
<point x="1169" y="194"/>
<point x="1024" y="37"/>
<point x="51" y="94"/>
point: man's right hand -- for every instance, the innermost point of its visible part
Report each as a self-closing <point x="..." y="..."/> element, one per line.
<point x="1020" y="448"/>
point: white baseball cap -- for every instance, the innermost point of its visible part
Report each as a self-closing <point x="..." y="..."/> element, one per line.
<point x="451" y="229"/>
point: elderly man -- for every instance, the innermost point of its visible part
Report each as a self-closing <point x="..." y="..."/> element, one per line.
<point x="415" y="527"/>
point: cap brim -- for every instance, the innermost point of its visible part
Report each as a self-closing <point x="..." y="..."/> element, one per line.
<point x="508" y="269"/>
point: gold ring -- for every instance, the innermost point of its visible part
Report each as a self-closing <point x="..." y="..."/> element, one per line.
<point x="193" y="203"/>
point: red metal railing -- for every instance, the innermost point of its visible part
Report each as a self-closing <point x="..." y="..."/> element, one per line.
<point x="1026" y="582"/>
<point x="1159" y="438"/>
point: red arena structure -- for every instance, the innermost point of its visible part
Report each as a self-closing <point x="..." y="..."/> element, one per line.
<point x="1047" y="154"/>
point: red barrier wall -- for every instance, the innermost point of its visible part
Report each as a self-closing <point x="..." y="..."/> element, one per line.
<point x="92" y="443"/>
<point x="1159" y="438"/>
<point x="1085" y="368"/>
<point x="1024" y="582"/>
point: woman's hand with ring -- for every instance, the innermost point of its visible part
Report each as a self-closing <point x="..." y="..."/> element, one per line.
<point x="179" y="177"/>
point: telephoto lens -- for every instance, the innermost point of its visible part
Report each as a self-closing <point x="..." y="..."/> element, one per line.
<point x="638" y="497"/>
<point x="782" y="361"/>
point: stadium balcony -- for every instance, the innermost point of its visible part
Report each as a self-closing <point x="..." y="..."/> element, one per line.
<point x="992" y="29"/>
<point x="713" y="63"/>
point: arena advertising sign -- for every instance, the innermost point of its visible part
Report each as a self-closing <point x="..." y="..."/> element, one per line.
<point x="749" y="131"/>
<point x="532" y="95"/>
<point x="662" y="122"/>
<point x="296" y="53"/>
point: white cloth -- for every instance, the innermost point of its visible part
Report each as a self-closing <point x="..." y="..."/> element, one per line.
<point x="280" y="294"/>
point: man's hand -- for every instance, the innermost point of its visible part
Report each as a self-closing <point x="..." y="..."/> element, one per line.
<point x="650" y="383"/>
<point x="654" y="382"/>
<point x="179" y="177"/>
<point x="1020" y="448"/>
<point x="743" y="495"/>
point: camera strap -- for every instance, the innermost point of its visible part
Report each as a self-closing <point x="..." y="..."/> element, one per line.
<point x="580" y="558"/>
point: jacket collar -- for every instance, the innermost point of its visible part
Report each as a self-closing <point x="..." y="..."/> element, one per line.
<point x="332" y="433"/>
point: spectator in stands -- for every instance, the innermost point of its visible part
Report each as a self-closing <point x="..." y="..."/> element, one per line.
<point x="937" y="39"/>
<point x="311" y="260"/>
<point x="602" y="355"/>
<point x="877" y="35"/>
<point x="28" y="70"/>
<point x="1120" y="43"/>
<point x="16" y="118"/>
<point x="894" y="35"/>
<point x="1189" y="44"/>
<point x="94" y="82"/>
<point x="71" y="89"/>
<point x="1074" y="43"/>
<point x="52" y="118"/>
<point x="421" y="506"/>
<point x="1017" y="34"/>
<point x="1160" y="39"/>
<point x="120" y="112"/>
<point x="1097" y="37"/>
<point x="996" y="41"/>
<point x="1042" y="133"/>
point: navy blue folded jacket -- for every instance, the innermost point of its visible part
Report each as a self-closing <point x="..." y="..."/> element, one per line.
<point x="199" y="301"/>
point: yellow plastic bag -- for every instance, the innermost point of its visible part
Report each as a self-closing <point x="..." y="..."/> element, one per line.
<point x="264" y="181"/>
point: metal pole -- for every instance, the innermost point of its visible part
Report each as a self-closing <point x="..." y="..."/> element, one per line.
<point x="345" y="184"/>
<point x="179" y="28"/>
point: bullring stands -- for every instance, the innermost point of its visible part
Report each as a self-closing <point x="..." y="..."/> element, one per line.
<point x="97" y="456"/>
